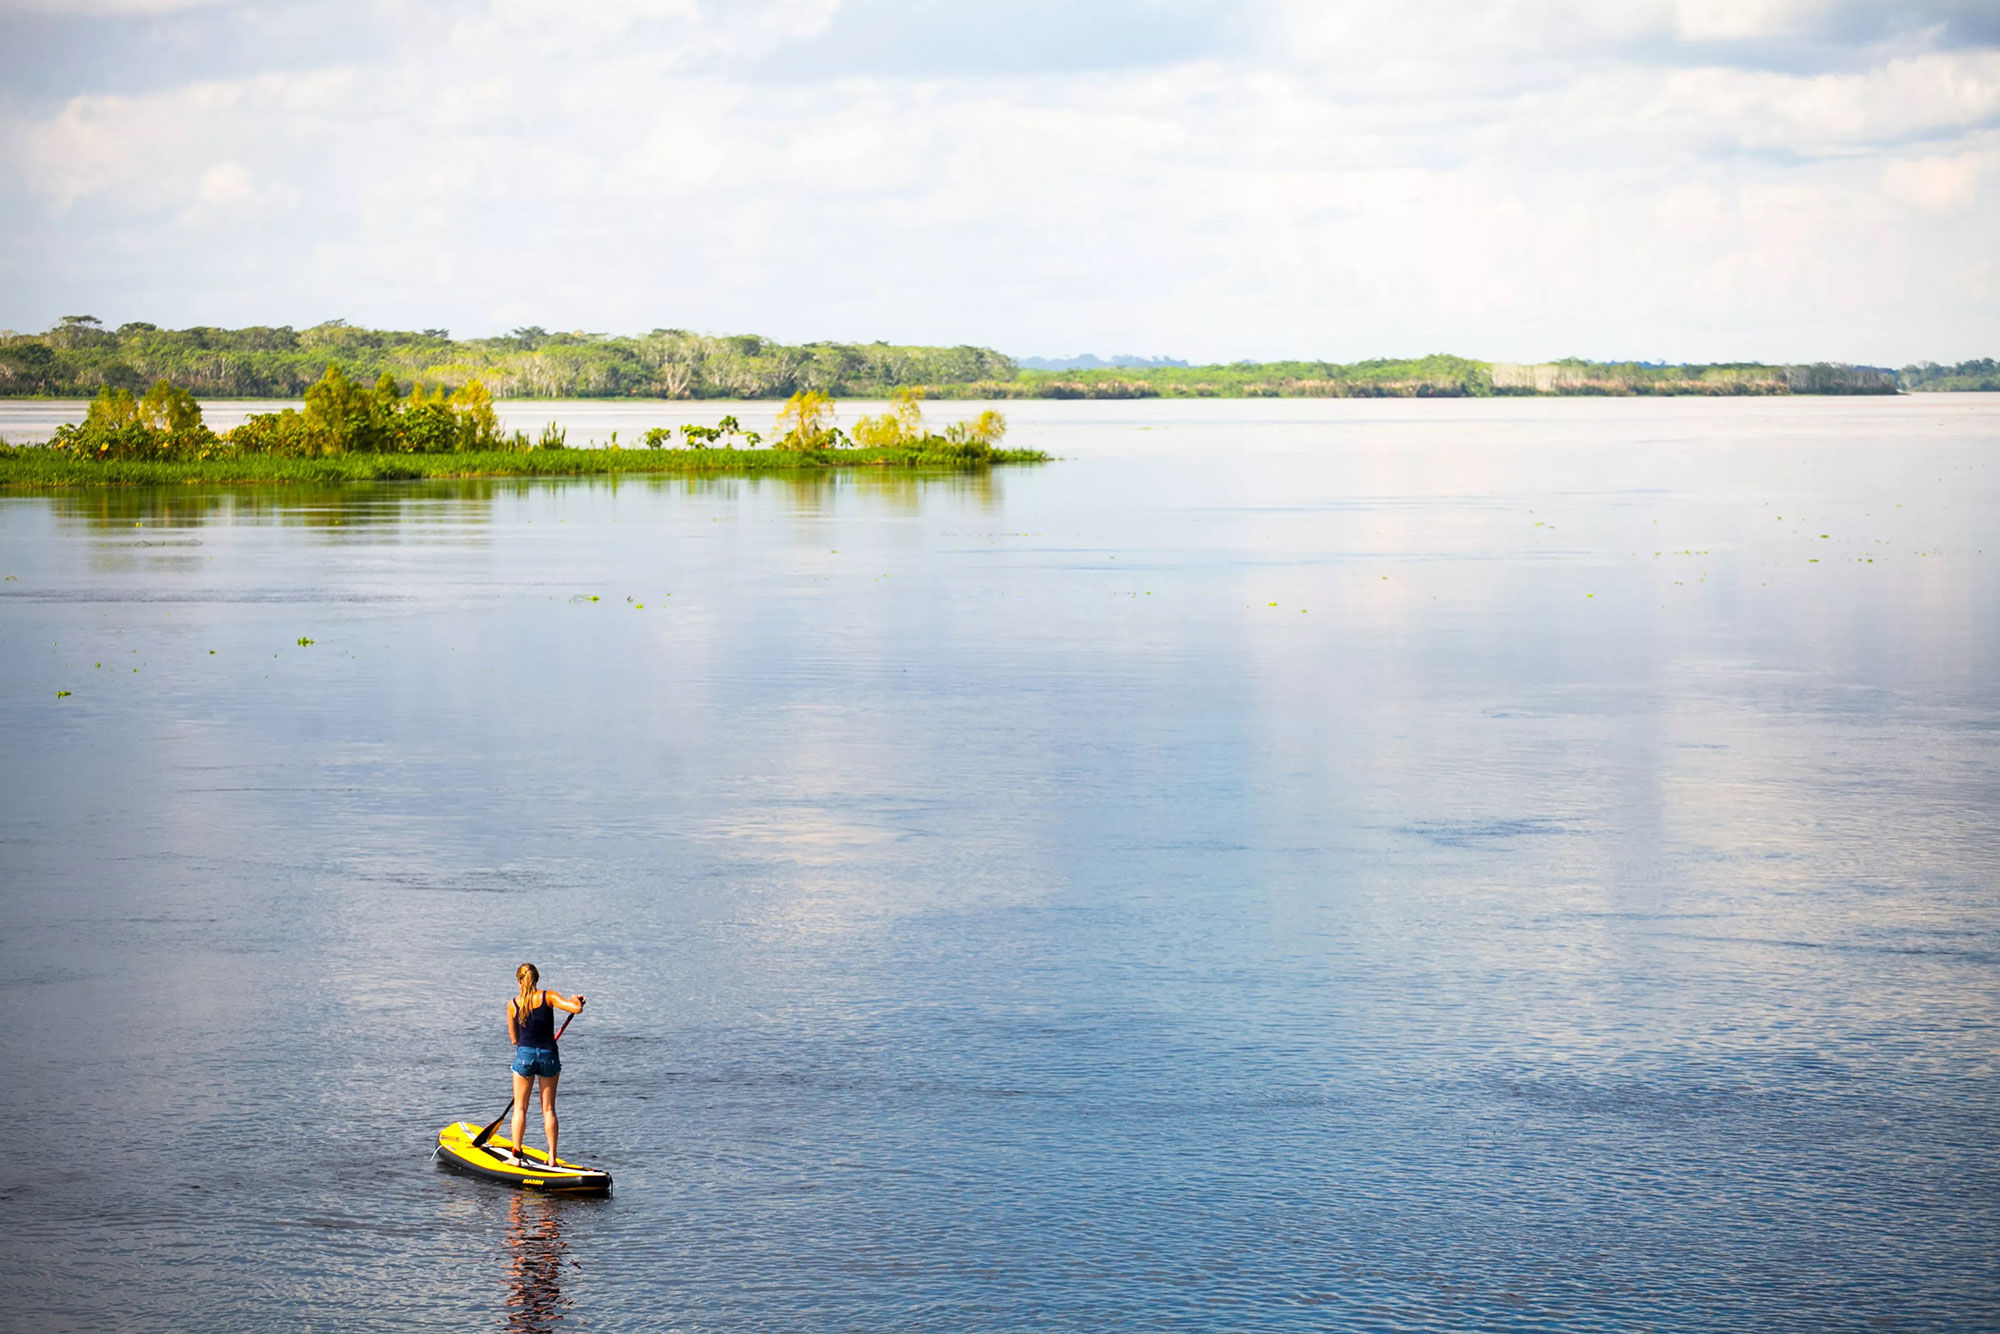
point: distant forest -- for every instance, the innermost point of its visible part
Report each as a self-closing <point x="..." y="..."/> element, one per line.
<point x="80" y="356"/>
<point x="1981" y="374"/>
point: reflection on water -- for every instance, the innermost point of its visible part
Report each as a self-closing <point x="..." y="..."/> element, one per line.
<point x="536" y="1257"/>
<point x="386" y="505"/>
<point x="472" y="501"/>
<point x="894" y="490"/>
<point x="1485" y="865"/>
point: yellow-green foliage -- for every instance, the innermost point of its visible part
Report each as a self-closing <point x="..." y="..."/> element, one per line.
<point x="111" y="410"/>
<point x="165" y="424"/>
<point x="902" y="424"/>
<point x="164" y="408"/>
<point x="341" y="417"/>
<point x="473" y="407"/>
<point x="168" y="408"/>
<point x="989" y="428"/>
<point x="903" y="427"/>
<point x="806" y="422"/>
<point x="350" y="432"/>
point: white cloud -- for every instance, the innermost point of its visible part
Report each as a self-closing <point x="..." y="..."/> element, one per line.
<point x="145" y="149"/>
<point x="1515" y="180"/>
<point x="1938" y="184"/>
<point x="81" y="8"/>
<point x="1740" y="20"/>
<point x="1830" y="113"/>
<point x="224" y="183"/>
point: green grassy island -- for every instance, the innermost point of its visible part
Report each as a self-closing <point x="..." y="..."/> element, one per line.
<point x="351" y="433"/>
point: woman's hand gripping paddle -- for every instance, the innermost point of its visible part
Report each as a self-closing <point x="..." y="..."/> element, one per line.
<point x="479" y="1140"/>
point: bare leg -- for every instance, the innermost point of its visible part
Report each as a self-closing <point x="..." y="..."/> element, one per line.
<point x="549" y="1113"/>
<point x="523" y="1086"/>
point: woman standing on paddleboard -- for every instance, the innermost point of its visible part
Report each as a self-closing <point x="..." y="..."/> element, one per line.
<point x="531" y="1027"/>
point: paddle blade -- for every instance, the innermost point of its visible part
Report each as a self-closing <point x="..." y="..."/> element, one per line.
<point x="479" y="1140"/>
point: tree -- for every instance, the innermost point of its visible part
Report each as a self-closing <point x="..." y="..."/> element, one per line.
<point x="806" y="421"/>
<point x="170" y="409"/>
<point x="987" y="429"/>
<point x="478" y="423"/>
<point x="28" y="368"/>
<point x="341" y="417"/>
<point x="79" y="331"/>
<point x="111" y="410"/>
<point x="902" y="424"/>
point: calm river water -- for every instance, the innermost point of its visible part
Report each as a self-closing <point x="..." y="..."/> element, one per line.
<point x="1304" y="865"/>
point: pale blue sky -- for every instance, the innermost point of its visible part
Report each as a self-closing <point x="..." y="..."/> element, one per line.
<point x="1683" y="179"/>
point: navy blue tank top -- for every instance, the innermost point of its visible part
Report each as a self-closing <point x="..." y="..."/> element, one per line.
<point x="536" y="1027"/>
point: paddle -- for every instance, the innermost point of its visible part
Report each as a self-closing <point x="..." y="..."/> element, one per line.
<point x="479" y="1141"/>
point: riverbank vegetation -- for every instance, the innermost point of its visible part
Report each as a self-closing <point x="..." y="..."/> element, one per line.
<point x="80" y="356"/>
<point x="1727" y="379"/>
<point x="1983" y="374"/>
<point x="348" y="432"/>
<point x="340" y="417"/>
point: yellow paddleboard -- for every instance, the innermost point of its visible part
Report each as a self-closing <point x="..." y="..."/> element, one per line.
<point x="495" y="1161"/>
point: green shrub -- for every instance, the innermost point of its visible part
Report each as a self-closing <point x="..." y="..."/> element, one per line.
<point x="164" y="426"/>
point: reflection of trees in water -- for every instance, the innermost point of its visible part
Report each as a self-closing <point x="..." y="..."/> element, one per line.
<point x="336" y="510"/>
<point x="901" y="490"/>
<point x="374" y="504"/>
<point x="536" y="1253"/>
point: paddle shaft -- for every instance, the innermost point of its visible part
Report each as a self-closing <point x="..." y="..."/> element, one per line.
<point x="479" y="1142"/>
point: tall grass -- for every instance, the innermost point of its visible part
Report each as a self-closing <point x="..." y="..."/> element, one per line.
<point x="33" y="466"/>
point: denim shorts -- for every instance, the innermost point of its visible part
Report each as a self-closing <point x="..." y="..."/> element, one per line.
<point x="538" y="1061"/>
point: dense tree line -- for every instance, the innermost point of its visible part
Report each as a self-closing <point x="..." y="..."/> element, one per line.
<point x="1981" y="374"/>
<point x="80" y="356"/>
<point x="1441" y="376"/>
<point x="1577" y="377"/>
<point x="1432" y="376"/>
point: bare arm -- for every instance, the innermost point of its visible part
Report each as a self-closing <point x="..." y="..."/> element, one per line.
<point x="513" y="1038"/>
<point x="574" y="1004"/>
